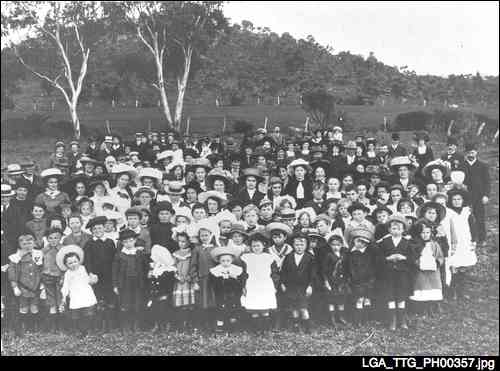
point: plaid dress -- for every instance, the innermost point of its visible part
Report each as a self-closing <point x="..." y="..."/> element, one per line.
<point x="184" y="294"/>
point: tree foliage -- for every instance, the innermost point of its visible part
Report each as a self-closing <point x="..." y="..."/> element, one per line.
<point x="320" y="105"/>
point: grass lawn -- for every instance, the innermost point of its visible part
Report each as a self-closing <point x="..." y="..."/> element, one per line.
<point x="468" y="328"/>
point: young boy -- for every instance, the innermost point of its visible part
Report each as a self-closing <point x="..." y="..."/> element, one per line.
<point x="77" y="236"/>
<point x="99" y="254"/>
<point x="25" y="277"/>
<point x="358" y="212"/>
<point x="133" y="217"/>
<point x="129" y="271"/>
<point x="38" y="225"/>
<point x="395" y="260"/>
<point x="360" y="266"/>
<point x="51" y="278"/>
<point x="381" y="215"/>
<point x="318" y="192"/>
<point x="266" y="211"/>
<point x="296" y="278"/>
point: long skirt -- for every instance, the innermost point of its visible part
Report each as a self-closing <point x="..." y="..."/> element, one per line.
<point x="205" y="296"/>
<point x="427" y="286"/>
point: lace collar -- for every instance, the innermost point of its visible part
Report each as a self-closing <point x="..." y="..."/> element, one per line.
<point x="232" y="271"/>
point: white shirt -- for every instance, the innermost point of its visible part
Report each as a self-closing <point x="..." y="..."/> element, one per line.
<point x="396" y="241"/>
<point x="300" y="191"/>
<point x="298" y="258"/>
<point x="251" y="192"/>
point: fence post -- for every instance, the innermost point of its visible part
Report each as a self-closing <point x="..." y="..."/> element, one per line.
<point x="113" y="103"/>
<point x="53" y="105"/>
<point x="136" y="103"/>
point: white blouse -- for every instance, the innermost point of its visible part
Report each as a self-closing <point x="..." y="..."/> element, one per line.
<point x="76" y="285"/>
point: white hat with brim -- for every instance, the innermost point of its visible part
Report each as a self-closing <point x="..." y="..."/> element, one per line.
<point x="184" y="212"/>
<point x="363" y="234"/>
<point x="124" y="169"/>
<point x="208" y="224"/>
<point x="164" y="155"/>
<point x="308" y="210"/>
<point x="204" y="196"/>
<point x="300" y="162"/>
<point x="224" y="250"/>
<point x="7" y="191"/>
<point x="333" y="235"/>
<point x="399" y="161"/>
<point x="15" y="169"/>
<point x="281" y="227"/>
<point x="398" y="217"/>
<point x="225" y="215"/>
<point x="51" y="173"/>
<point x="65" y="250"/>
<point x="174" y="164"/>
<point x="149" y="172"/>
<point x="160" y="254"/>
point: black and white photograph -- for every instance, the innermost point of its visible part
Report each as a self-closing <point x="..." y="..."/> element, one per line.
<point x="251" y="178"/>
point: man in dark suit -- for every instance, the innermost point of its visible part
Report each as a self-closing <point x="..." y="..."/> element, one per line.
<point x="455" y="159"/>
<point x="300" y="186"/>
<point x="249" y="194"/>
<point x="396" y="149"/>
<point x="477" y="179"/>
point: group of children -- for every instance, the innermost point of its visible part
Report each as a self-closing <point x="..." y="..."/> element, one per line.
<point x="159" y="258"/>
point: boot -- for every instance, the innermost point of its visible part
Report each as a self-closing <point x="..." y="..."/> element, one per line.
<point x="33" y="325"/>
<point x="333" y="320"/>
<point x="358" y="317"/>
<point x="403" y="319"/>
<point x="295" y="325"/>
<point x="51" y="323"/>
<point x="340" y="317"/>
<point x="306" y="324"/>
<point x="21" y="321"/>
<point x="393" y="320"/>
<point x="278" y="321"/>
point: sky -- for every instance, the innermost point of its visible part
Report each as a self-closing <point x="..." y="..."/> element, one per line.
<point x="438" y="38"/>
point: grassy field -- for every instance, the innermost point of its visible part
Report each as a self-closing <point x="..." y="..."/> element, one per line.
<point x="468" y="328"/>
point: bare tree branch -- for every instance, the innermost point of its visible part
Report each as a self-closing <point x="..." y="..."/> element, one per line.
<point x="141" y="37"/>
<point x="80" y="43"/>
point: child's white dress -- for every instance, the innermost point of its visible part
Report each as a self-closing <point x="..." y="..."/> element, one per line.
<point x="76" y="285"/>
<point x="461" y="253"/>
<point x="261" y="293"/>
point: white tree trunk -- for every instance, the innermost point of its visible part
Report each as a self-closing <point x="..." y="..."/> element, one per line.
<point x="181" y="88"/>
<point x="75" y="120"/>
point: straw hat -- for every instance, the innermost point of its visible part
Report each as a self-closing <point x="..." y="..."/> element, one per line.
<point x="7" y="191"/>
<point x="251" y="171"/>
<point x="440" y="209"/>
<point x="397" y="217"/>
<point x="436" y="164"/>
<point x="224" y="250"/>
<point x="281" y="227"/>
<point x="126" y="234"/>
<point x="308" y="210"/>
<point x="165" y="154"/>
<point x="204" y="196"/>
<point x="459" y="191"/>
<point x="175" y="188"/>
<point x="363" y="234"/>
<point x="160" y="254"/>
<point x="15" y="169"/>
<point x="299" y="162"/>
<point x="225" y="215"/>
<point x="149" y="172"/>
<point x="144" y="190"/>
<point x="65" y="250"/>
<point x="238" y="228"/>
<point x="399" y="161"/>
<point x="217" y="174"/>
<point x="124" y="169"/>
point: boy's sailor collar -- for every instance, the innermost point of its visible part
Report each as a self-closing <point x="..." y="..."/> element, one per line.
<point x="103" y="238"/>
<point x="37" y="256"/>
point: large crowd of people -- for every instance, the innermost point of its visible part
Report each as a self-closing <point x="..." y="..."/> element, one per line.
<point x="267" y="232"/>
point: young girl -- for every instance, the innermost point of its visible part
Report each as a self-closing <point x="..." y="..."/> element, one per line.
<point x="86" y="210"/>
<point x="259" y="297"/>
<point x="227" y="281"/>
<point x="462" y="255"/>
<point x="343" y="210"/>
<point x="184" y="293"/>
<point x="334" y="278"/>
<point x="161" y="284"/>
<point x="76" y="286"/>
<point x="38" y="225"/>
<point x="360" y="269"/>
<point x="51" y="277"/>
<point x="238" y="237"/>
<point x="251" y="217"/>
<point x="296" y="278"/>
<point x="427" y="288"/>
<point x="395" y="259"/>
<point x="129" y="270"/>
<point x="201" y="263"/>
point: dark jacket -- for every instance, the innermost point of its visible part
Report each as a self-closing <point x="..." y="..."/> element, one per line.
<point x="99" y="256"/>
<point x="291" y="190"/>
<point x="298" y="278"/>
<point x="245" y="199"/>
<point x="477" y="180"/>
<point x="120" y="269"/>
<point x="161" y="234"/>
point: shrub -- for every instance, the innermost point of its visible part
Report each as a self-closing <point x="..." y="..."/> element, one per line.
<point x="416" y="120"/>
<point x="242" y="127"/>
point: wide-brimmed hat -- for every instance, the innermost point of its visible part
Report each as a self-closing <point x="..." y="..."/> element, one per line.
<point x="443" y="166"/>
<point x="86" y="159"/>
<point x="225" y="215"/>
<point x="334" y="236"/>
<point x="219" y="174"/>
<point x="183" y="212"/>
<point x="275" y="180"/>
<point x="164" y="155"/>
<point x="51" y="173"/>
<point x="462" y="191"/>
<point x="258" y="235"/>
<point x="361" y="233"/>
<point x="175" y="188"/>
<point x="281" y="227"/>
<point x="287" y="214"/>
<point x="325" y="164"/>
<point x="149" y="172"/>
<point x="265" y="201"/>
<point x="163" y="206"/>
<point x="65" y="250"/>
<point x="309" y="211"/>
<point x="7" y="191"/>
<point x="251" y="171"/>
<point x="200" y="162"/>
<point x="15" y="169"/>
<point x="124" y="169"/>
<point x="126" y="234"/>
<point x="399" y="161"/>
<point x="224" y="250"/>
<point x="160" y="254"/>
<point x="440" y="209"/>
<point x="238" y="228"/>
<point x="133" y="211"/>
<point x="96" y="221"/>
<point x="300" y="162"/>
<point x="204" y="196"/>
<point x="397" y="217"/>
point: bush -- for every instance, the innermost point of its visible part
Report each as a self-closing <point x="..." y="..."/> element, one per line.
<point x="28" y="127"/>
<point x="242" y="127"/>
<point x="416" y="120"/>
